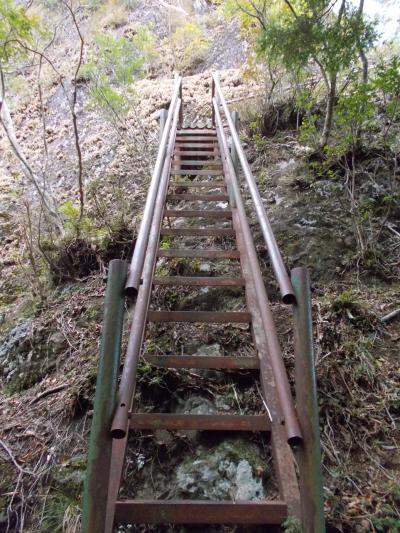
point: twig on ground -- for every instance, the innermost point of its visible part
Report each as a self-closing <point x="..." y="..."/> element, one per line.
<point x="11" y="456"/>
<point x="47" y="392"/>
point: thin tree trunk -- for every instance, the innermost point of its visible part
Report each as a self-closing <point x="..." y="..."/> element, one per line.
<point x="330" y="104"/>
<point x="46" y="199"/>
<point x="361" y="52"/>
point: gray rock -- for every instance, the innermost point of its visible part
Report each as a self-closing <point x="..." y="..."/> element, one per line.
<point x="221" y="474"/>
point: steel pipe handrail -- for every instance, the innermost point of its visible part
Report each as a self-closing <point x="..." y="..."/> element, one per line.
<point x="138" y="257"/>
<point x="275" y="256"/>
<point x="128" y="378"/>
<point x="294" y="434"/>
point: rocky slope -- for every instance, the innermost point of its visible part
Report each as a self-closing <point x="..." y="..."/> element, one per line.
<point x="50" y="323"/>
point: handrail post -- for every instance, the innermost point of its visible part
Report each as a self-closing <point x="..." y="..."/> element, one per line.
<point x="309" y="451"/>
<point x="212" y="101"/>
<point x="234" y="154"/>
<point x="278" y="266"/>
<point x="163" y="119"/>
<point x="135" y="271"/>
<point x="181" y="107"/>
<point x="100" y="443"/>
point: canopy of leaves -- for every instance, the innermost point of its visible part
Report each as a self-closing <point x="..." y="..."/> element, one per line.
<point x="15" y="25"/>
<point x="303" y="30"/>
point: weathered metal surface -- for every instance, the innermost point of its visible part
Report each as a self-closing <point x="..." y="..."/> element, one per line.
<point x="210" y="254"/>
<point x="195" y="172"/>
<point x="234" y="154"/>
<point x="194" y="138"/>
<point x="128" y="378"/>
<point x="198" y="131"/>
<point x="200" y="232"/>
<point x="213" y="317"/>
<point x="309" y="452"/>
<point x="278" y="366"/>
<point x="269" y="237"/>
<point x="216" y="422"/>
<point x="199" y="197"/>
<point x="200" y="281"/>
<point x="282" y="454"/>
<point x="200" y="512"/>
<point x="199" y="145"/>
<point x="100" y="443"/>
<point x="201" y="153"/>
<point x="186" y="213"/>
<point x="198" y="184"/>
<point x="199" y="163"/>
<point x="117" y="464"/>
<point x="138" y="258"/>
<point x="204" y="361"/>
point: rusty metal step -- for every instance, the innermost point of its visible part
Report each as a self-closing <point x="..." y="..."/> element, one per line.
<point x="195" y="138"/>
<point x="200" y="281"/>
<point x="266" y="512"/>
<point x="194" y="213"/>
<point x="198" y="145"/>
<point x="210" y="317"/>
<point x="196" y="162"/>
<point x="209" y="254"/>
<point x="194" y="172"/>
<point x="199" y="422"/>
<point x="208" y="184"/>
<point x="199" y="232"/>
<point x="204" y="361"/>
<point x="200" y="131"/>
<point x="199" y="197"/>
<point x="184" y="153"/>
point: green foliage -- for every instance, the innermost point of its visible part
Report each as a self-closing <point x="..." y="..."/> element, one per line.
<point x="190" y="45"/>
<point x="389" y="521"/>
<point x="73" y="223"/>
<point x="15" y="25"/>
<point x="292" y="525"/>
<point x="312" y="31"/>
<point x="113" y="65"/>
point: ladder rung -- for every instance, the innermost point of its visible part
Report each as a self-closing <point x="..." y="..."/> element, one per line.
<point x="192" y="213"/>
<point x="195" y="162"/>
<point x="210" y="254"/>
<point x="210" y="317"/>
<point x="200" y="131"/>
<point x="198" y="145"/>
<point x="194" y="172"/>
<point x="204" y="361"/>
<point x="195" y="138"/>
<point x="208" y="184"/>
<point x="199" y="422"/>
<point x="199" y="232"/>
<point x="200" y="281"/>
<point x="200" y="512"/>
<point x="199" y="197"/>
<point x="201" y="153"/>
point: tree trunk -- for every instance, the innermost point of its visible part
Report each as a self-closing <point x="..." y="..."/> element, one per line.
<point x="330" y="104"/>
<point x="47" y="201"/>
<point x="361" y="51"/>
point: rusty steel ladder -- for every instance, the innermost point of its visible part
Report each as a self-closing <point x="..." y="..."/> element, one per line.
<point x="192" y="165"/>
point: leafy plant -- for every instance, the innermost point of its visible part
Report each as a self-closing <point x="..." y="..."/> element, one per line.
<point x="190" y="45"/>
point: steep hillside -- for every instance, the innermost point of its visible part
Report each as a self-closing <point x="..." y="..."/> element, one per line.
<point x="52" y="286"/>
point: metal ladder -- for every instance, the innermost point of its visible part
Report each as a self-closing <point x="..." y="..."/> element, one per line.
<point x="197" y="165"/>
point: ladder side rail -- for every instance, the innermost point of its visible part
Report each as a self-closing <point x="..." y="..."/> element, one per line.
<point x="128" y="378"/>
<point x="95" y="493"/>
<point x="309" y="451"/>
<point x="139" y="254"/>
<point x="290" y="420"/>
<point x="275" y="256"/>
